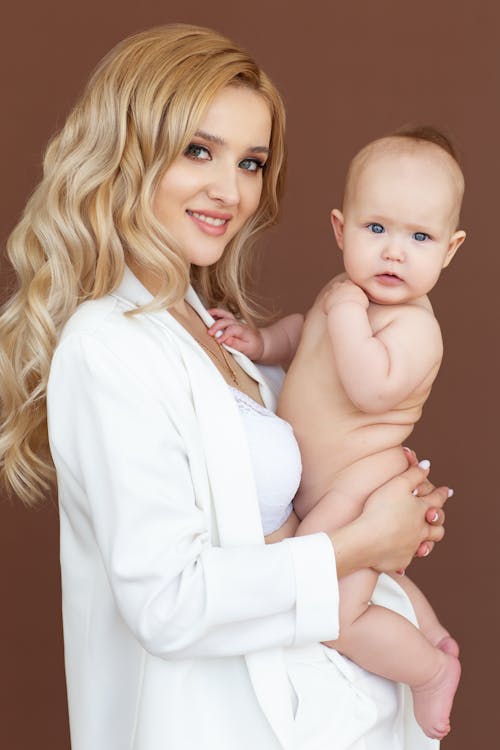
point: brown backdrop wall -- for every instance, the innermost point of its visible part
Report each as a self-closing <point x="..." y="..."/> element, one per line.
<point x="349" y="72"/>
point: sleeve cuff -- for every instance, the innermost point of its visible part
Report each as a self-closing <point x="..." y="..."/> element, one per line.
<point x="317" y="591"/>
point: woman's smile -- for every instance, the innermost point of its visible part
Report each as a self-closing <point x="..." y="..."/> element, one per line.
<point x="211" y="222"/>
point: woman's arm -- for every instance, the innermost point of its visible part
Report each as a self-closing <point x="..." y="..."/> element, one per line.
<point x="126" y="485"/>
<point x="131" y="486"/>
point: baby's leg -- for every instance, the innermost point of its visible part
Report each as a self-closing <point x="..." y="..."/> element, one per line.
<point x="379" y="639"/>
<point x="383" y="642"/>
<point x="426" y="617"/>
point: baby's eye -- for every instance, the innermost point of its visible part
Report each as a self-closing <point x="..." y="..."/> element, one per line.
<point x="376" y="228"/>
<point x="420" y="236"/>
<point x="251" y="165"/>
<point x="195" y="151"/>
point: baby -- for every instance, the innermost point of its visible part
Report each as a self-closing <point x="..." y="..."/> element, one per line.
<point x="368" y="354"/>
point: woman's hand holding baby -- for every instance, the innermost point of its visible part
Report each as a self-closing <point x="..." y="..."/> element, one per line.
<point x="395" y="523"/>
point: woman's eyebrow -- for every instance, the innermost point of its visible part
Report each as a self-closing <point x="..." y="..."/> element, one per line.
<point x="221" y="142"/>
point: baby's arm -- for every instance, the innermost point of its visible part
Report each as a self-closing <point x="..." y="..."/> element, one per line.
<point x="273" y="345"/>
<point x="380" y="370"/>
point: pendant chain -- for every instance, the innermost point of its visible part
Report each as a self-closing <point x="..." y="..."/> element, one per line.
<point x="223" y="359"/>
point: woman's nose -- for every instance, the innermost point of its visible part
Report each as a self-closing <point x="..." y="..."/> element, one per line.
<point x="224" y="186"/>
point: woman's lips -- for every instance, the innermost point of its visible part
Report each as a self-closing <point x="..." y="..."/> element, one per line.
<point x="389" y="279"/>
<point x="210" y="222"/>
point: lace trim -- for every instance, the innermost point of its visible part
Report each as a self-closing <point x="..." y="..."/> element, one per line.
<point x="248" y="405"/>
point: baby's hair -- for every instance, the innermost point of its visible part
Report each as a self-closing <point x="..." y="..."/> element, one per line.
<point x="427" y="134"/>
<point x="415" y="136"/>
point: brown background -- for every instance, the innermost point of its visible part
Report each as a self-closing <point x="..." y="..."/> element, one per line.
<point x="349" y="72"/>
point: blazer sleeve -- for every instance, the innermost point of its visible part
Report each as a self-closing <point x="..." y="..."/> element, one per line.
<point x="124" y="474"/>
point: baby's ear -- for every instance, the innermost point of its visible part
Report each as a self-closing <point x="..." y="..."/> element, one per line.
<point x="455" y="242"/>
<point x="337" y="219"/>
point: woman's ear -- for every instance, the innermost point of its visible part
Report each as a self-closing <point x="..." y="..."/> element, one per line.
<point x="337" y="219"/>
<point x="455" y="242"/>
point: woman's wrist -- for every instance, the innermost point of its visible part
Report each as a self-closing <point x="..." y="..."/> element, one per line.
<point x="352" y="546"/>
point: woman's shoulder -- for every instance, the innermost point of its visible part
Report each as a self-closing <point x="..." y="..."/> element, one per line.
<point x="91" y="317"/>
<point x="99" y="334"/>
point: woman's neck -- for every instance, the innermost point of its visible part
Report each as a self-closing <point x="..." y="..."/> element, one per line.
<point x="194" y="325"/>
<point x="152" y="282"/>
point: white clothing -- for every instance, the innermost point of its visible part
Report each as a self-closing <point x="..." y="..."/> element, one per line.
<point x="275" y="460"/>
<point x="179" y="622"/>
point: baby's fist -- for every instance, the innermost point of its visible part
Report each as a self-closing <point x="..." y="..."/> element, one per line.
<point x="236" y="333"/>
<point x="344" y="291"/>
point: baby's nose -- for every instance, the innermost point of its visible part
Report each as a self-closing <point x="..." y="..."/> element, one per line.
<point x="393" y="251"/>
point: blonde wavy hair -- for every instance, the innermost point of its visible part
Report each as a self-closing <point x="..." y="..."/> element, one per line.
<point x="93" y="205"/>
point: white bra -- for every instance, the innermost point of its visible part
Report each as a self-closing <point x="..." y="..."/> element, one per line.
<point x="275" y="460"/>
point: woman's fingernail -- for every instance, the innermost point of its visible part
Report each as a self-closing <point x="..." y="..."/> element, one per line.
<point x="435" y="517"/>
<point x="450" y="492"/>
<point x="427" y="550"/>
<point x="406" y="450"/>
<point x="218" y="334"/>
<point x="425" y="464"/>
<point x="415" y="492"/>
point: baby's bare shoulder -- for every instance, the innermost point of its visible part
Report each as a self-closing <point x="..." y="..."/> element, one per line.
<point x="417" y="316"/>
<point x="412" y="330"/>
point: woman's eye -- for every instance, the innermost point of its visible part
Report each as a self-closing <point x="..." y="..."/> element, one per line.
<point x="251" y="165"/>
<point x="376" y="228"/>
<point x="195" y="151"/>
<point x="420" y="236"/>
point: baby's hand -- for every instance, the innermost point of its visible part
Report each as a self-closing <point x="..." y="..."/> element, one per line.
<point x="344" y="291"/>
<point x="235" y="333"/>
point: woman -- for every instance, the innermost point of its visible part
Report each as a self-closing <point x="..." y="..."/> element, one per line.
<point x="182" y="629"/>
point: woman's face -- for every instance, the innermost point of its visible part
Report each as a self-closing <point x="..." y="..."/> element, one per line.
<point x="209" y="192"/>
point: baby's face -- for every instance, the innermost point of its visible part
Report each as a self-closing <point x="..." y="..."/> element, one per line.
<point x="398" y="227"/>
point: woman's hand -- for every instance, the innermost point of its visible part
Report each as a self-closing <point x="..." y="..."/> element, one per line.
<point x="433" y="515"/>
<point x="395" y="523"/>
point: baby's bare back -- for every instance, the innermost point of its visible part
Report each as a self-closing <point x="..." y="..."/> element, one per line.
<point x="341" y="445"/>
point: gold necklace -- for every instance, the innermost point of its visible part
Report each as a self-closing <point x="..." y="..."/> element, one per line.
<point x="224" y="360"/>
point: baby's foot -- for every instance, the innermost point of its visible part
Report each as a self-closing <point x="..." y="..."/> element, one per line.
<point x="432" y="701"/>
<point x="449" y="646"/>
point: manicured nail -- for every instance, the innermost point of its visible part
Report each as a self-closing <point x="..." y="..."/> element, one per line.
<point x="218" y="334"/>
<point x="427" y="551"/>
<point x="435" y="517"/>
<point x="450" y="492"/>
<point x="425" y="464"/>
<point x="406" y="450"/>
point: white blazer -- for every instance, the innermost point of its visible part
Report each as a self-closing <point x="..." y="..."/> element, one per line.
<point x="182" y="629"/>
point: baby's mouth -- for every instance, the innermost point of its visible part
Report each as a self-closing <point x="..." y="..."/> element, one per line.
<point x="389" y="277"/>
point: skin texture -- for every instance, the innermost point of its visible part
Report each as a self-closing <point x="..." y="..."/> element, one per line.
<point x="374" y="335"/>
